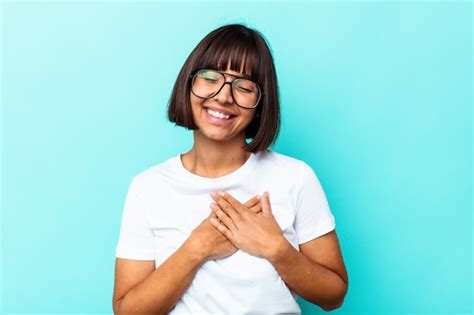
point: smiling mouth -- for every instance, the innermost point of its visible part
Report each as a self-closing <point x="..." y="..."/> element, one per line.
<point x="217" y="114"/>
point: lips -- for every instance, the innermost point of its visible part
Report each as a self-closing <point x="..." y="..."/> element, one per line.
<point x="218" y="121"/>
<point x="223" y="111"/>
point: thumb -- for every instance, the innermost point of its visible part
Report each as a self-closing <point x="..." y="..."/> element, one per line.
<point x="266" y="207"/>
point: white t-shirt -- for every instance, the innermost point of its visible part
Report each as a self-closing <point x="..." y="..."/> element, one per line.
<point x="166" y="202"/>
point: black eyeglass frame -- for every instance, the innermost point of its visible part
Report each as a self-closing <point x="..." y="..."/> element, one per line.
<point x="261" y="93"/>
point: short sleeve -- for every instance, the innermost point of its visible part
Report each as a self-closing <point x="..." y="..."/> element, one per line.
<point x="313" y="215"/>
<point x="136" y="240"/>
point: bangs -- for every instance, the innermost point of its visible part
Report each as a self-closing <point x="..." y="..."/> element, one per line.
<point x="237" y="48"/>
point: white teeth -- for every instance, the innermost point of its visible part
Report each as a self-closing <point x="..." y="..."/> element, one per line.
<point x="217" y="114"/>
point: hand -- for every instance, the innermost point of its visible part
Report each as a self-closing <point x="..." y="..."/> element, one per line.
<point x="212" y="244"/>
<point x="258" y="235"/>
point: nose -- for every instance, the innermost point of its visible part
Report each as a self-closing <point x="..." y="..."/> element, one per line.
<point x="225" y="94"/>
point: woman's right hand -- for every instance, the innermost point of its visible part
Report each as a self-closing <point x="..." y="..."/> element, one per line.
<point x="205" y="238"/>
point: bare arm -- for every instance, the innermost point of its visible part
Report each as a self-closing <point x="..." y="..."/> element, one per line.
<point x="316" y="272"/>
<point x="160" y="290"/>
<point x="142" y="289"/>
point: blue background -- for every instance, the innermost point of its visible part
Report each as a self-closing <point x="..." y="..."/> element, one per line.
<point x="375" y="96"/>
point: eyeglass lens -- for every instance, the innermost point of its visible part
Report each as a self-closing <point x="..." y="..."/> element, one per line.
<point x="207" y="83"/>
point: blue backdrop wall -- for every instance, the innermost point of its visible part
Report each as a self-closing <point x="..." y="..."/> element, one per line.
<point x="376" y="97"/>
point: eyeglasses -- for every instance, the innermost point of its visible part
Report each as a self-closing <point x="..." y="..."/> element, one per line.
<point x="207" y="83"/>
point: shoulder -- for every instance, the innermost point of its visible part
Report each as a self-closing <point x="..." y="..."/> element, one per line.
<point x="275" y="157"/>
<point x="282" y="165"/>
<point x="149" y="176"/>
<point x="293" y="168"/>
<point x="282" y="161"/>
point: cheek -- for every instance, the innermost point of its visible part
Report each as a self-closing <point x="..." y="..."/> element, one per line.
<point x="244" y="119"/>
<point x="247" y="116"/>
<point x="196" y="107"/>
<point x="196" y="103"/>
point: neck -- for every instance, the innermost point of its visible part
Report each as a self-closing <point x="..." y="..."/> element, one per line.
<point x="212" y="158"/>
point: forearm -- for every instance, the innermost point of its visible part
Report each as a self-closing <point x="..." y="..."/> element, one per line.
<point x="160" y="291"/>
<point x="308" y="279"/>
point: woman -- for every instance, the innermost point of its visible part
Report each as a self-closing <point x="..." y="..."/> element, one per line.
<point x="199" y="233"/>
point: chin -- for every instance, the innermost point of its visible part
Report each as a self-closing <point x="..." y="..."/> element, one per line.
<point x="217" y="136"/>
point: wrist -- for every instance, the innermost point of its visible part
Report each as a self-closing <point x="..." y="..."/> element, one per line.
<point x="279" y="249"/>
<point x="195" y="251"/>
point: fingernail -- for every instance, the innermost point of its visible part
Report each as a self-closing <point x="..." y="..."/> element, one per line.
<point x="213" y="194"/>
<point x="267" y="194"/>
<point x="221" y="193"/>
<point x="258" y="197"/>
<point x="213" y="204"/>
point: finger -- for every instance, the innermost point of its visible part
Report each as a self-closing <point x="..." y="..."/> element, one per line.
<point x="257" y="208"/>
<point x="233" y="202"/>
<point x="223" y="217"/>
<point x="223" y="229"/>
<point x="266" y="207"/>
<point x="252" y="201"/>
<point x="227" y="208"/>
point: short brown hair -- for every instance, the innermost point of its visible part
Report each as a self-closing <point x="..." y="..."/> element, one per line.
<point x="238" y="44"/>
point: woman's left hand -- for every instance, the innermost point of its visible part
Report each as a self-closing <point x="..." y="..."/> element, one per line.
<point x="257" y="234"/>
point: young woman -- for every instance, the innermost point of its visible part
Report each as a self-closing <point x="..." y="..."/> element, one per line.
<point x="199" y="233"/>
